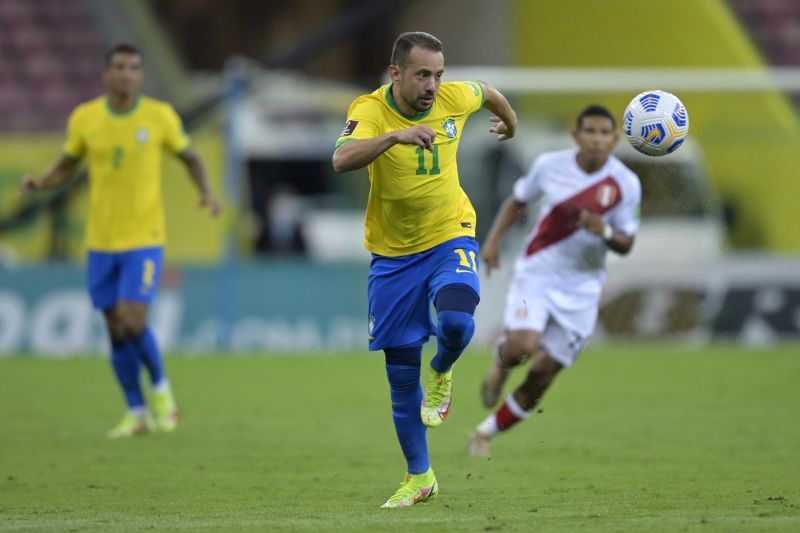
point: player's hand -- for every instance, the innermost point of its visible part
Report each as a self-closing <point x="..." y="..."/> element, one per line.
<point x="503" y="130"/>
<point x="209" y="202"/>
<point x="591" y="222"/>
<point x="28" y="185"/>
<point x="490" y="256"/>
<point x="422" y="136"/>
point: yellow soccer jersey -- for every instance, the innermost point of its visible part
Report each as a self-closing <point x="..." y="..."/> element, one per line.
<point x="415" y="198"/>
<point x="124" y="157"/>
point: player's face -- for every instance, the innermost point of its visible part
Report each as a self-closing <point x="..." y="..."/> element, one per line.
<point x="596" y="137"/>
<point x="419" y="80"/>
<point x="123" y="75"/>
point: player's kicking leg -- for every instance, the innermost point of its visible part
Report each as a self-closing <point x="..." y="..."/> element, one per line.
<point x="457" y="293"/>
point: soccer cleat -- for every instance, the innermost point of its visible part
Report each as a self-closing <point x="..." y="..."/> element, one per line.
<point x="414" y="489"/>
<point x="165" y="410"/>
<point x="436" y="403"/>
<point x="130" y="426"/>
<point x="479" y="446"/>
<point x="493" y="385"/>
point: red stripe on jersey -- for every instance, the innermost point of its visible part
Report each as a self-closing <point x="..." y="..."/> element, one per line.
<point x="562" y="220"/>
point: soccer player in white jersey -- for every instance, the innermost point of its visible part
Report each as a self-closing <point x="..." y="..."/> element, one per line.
<point x="589" y="204"/>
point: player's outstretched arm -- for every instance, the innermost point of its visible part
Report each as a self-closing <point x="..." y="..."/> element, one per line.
<point x="197" y="170"/>
<point x="360" y="153"/>
<point x="57" y="174"/>
<point x="504" y="124"/>
<point x="511" y="212"/>
<point x="617" y="241"/>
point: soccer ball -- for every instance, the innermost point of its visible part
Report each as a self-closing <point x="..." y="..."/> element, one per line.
<point x="655" y="122"/>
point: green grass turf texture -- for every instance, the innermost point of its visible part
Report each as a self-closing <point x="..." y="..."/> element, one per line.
<point x="634" y="438"/>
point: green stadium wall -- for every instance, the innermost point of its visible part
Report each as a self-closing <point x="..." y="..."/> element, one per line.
<point x="751" y="140"/>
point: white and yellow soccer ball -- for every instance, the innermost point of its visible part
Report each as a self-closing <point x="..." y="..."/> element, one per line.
<point x="655" y="122"/>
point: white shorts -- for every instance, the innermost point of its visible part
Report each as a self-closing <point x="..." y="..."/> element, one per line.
<point x="563" y="331"/>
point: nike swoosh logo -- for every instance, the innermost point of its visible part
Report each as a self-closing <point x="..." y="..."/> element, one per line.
<point x="462" y="271"/>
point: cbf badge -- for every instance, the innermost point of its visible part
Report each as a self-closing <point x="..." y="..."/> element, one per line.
<point x="141" y="135"/>
<point x="450" y="128"/>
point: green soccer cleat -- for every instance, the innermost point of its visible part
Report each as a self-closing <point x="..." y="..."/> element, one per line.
<point x="414" y="489"/>
<point x="130" y="426"/>
<point x="436" y="404"/>
<point x="165" y="410"/>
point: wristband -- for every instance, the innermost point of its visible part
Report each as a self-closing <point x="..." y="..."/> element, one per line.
<point x="608" y="232"/>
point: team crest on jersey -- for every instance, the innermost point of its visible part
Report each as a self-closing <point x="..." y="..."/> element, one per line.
<point x="450" y="128"/>
<point x="606" y="195"/>
<point x="349" y="128"/>
<point x="142" y="135"/>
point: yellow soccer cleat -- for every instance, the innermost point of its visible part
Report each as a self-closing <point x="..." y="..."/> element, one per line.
<point x="165" y="410"/>
<point x="414" y="489"/>
<point x="436" y="403"/>
<point x="130" y="426"/>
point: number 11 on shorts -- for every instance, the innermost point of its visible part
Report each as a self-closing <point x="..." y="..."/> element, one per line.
<point x="473" y="266"/>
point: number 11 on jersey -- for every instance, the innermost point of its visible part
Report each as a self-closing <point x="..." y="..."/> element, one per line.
<point x="466" y="262"/>
<point x="421" y="161"/>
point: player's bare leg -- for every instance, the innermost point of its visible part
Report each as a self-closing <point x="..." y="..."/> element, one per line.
<point x="512" y="349"/>
<point x="518" y="405"/>
<point x="542" y="373"/>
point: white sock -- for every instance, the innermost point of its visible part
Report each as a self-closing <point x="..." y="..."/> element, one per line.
<point x="515" y="408"/>
<point x="161" y="386"/>
<point x="488" y="426"/>
<point x="138" y="412"/>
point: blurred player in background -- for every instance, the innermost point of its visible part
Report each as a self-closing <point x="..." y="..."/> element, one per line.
<point x="589" y="204"/>
<point x="420" y="228"/>
<point x="122" y="135"/>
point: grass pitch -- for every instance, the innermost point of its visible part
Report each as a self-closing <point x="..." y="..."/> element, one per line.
<point x="631" y="439"/>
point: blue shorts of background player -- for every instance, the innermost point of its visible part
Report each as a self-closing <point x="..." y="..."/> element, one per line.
<point x="401" y="291"/>
<point x="131" y="275"/>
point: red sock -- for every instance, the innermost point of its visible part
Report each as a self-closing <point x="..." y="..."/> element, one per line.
<point x="505" y="417"/>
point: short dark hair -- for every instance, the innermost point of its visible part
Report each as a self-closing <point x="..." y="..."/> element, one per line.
<point x="122" y="48"/>
<point x="406" y="41"/>
<point x="595" y="110"/>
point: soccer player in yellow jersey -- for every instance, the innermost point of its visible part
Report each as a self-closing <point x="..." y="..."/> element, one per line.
<point x="420" y="228"/>
<point x="122" y="136"/>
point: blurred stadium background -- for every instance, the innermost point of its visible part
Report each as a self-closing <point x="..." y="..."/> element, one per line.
<point x="263" y="87"/>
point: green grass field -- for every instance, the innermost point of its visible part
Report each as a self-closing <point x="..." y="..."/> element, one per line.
<point x="631" y="439"/>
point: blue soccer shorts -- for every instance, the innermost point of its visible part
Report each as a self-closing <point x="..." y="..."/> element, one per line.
<point x="401" y="290"/>
<point x="131" y="275"/>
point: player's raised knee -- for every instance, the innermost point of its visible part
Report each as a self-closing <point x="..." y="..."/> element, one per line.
<point x="456" y="328"/>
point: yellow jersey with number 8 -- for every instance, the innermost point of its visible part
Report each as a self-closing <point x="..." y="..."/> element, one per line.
<point x="415" y="199"/>
<point x="123" y="154"/>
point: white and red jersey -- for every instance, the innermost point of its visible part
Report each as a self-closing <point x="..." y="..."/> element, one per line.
<point x="570" y="260"/>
